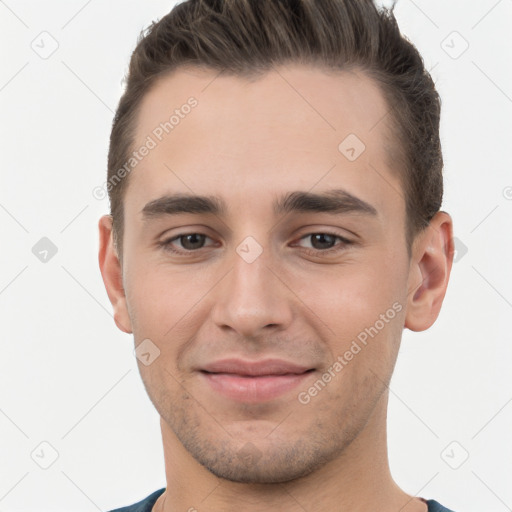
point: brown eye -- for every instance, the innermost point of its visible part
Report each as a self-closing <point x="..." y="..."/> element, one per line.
<point x="322" y="240"/>
<point x="323" y="243"/>
<point x="192" y="241"/>
<point x="189" y="242"/>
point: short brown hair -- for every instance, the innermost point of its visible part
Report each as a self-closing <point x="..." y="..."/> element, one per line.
<point x="249" y="37"/>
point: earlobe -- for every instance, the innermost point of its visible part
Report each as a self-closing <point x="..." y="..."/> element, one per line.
<point x="429" y="273"/>
<point x="112" y="275"/>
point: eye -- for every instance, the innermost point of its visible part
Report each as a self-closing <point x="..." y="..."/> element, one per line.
<point x="190" y="242"/>
<point x="322" y="243"/>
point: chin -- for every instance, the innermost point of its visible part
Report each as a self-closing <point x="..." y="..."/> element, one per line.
<point x="253" y="464"/>
<point x="257" y="474"/>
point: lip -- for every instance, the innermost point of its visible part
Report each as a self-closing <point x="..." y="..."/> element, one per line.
<point x="254" y="381"/>
<point x="255" y="368"/>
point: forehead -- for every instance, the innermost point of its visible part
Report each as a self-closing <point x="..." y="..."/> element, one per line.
<point x="294" y="126"/>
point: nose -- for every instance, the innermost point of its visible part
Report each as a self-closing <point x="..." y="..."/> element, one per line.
<point x="252" y="298"/>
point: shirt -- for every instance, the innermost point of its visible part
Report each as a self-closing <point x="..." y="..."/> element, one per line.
<point x="146" y="504"/>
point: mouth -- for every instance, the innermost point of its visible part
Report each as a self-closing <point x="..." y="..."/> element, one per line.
<point x="253" y="382"/>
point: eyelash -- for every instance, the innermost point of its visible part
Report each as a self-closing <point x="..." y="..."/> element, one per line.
<point x="166" y="244"/>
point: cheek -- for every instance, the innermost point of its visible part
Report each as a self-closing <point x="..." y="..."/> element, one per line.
<point x="162" y="303"/>
<point x="359" y="301"/>
<point x="352" y="294"/>
<point x="168" y="305"/>
<point x="157" y="300"/>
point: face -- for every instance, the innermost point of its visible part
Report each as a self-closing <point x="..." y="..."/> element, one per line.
<point x="278" y="305"/>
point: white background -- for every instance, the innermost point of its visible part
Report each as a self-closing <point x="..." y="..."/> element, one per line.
<point x="68" y="375"/>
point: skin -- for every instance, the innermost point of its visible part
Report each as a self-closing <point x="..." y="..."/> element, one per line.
<point x="249" y="142"/>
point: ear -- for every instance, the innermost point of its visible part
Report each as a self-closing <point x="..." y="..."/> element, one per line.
<point x="431" y="264"/>
<point x="112" y="274"/>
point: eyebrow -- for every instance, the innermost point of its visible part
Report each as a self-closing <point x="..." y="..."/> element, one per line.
<point x="335" y="201"/>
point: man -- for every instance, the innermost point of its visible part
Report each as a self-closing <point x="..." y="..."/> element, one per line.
<point x="275" y="178"/>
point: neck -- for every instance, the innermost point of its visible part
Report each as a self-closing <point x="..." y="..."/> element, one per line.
<point x="358" y="479"/>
